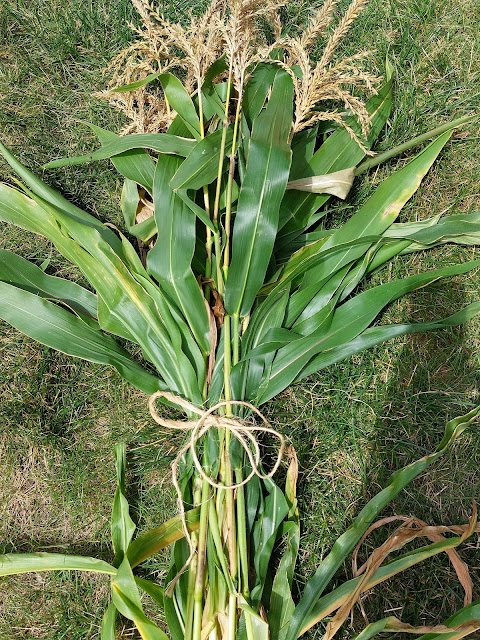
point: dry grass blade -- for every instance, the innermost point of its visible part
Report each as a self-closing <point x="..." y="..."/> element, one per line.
<point x="404" y="534"/>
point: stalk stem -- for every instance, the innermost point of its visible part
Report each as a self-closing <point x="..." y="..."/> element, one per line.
<point x="201" y="559"/>
<point x="236" y="337"/>
<point x="227" y="365"/>
<point x="395" y="151"/>
<point x="192" y="572"/>
<point x="228" y="210"/>
<point x="216" y="205"/>
<point x="218" y="256"/>
<point x="206" y="201"/>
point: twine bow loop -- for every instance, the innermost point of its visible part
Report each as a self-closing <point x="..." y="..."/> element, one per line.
<point x="241" y="430"/>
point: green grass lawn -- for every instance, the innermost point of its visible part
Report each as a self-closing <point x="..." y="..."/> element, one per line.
<point x="351" y="426"/>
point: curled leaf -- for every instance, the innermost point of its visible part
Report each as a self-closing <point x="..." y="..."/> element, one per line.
<point x="337" y="183"/>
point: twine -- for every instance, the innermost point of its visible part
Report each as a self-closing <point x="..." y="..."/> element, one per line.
<point x="242" y="431"/>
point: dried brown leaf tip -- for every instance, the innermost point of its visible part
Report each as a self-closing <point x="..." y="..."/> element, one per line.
<point x="411" y="529"/>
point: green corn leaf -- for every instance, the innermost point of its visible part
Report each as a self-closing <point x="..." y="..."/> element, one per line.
<point x="23" y="274"/>
<point x="14" y="563"/>
<point x="157" y="539"/>
<point x="18" y="209"/>
<point x="461" y="229"/>
<point x="182" y="103"/>
<point x="259" y="627"/>
<point x="347" y="541"/>
<point x="136" y="85"/>
<point x="51" y="196"/>
<point x="348" y="321"/>
<point x="211" y="101"/>
<point x="171" y="257"/>
<point x="377" y="335"/>
<point x="246" y="377"/>
<point x="134" y="164"/>
<point x="218" y="379"/>
<point x="129" y="202"/>
<point x="256" y="90"/>
<point x="61" y="330"/>
<point x="130" y="312"/>
<point x="122" y="299"/>
<point x="127" y="600"/>
<point x="122" y="526"/>
<point x="161" y="142"/>
<point x="411" y="236"/>
<point x="109" y="620"/>
<point x="145" y="230"/>
<point x="154" y="590"/>
<point x="303" y="148"/>
<point x="281" y="600"/>
<point x="263" y="187"/>
<point x="275" y="510"/>
<point x="379" y="211"/>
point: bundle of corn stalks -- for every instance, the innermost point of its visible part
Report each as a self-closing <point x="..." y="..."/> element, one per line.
<point x="237" y="289"/>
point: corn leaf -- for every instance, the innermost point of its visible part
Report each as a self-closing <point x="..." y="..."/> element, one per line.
<point x="281" y="600"/>
<point x="256" y="221"/>
<point x="136" y="85"/>
<point x="54" y="198"/>
<point x="256" y="91"/>
<point x="108" y="623"/>
<point x="61" y="330"/>
<point x="377" y="214"/>
<point x="265" y="533"/>
<point x="127" y="600"/>
<point x="258" y="625"/>
<point x="377" y="335"/>
<point x="157" y="539"/>
<point x="21" y="273"/>
<point x="134" y="164"/>
<point x="179" y="99"/>
<point x="154" y="590"/>
<point x="14" y="563"/>
<point x="347" y="322"/>
<point x="122" y="301"/>
<point x="122" y="525"/>
<point x="199" y="169"/>
<point x="347" y="541"/>
<point x="171" y="257"/>
<point x="161" y="142"/>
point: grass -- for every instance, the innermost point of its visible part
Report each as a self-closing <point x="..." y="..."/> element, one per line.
<point x="351" y="426"/>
